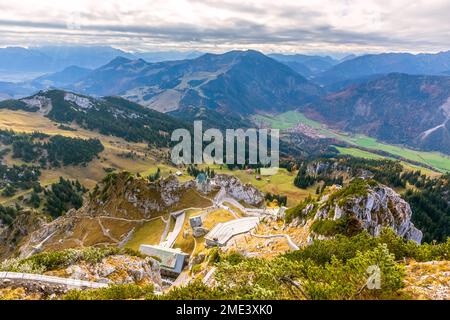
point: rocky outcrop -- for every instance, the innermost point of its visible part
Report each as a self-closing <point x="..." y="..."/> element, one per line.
<point x="118" y="269"/>
<point x="428" y="280"/>
<point x="119" y="205"/>
<point x="24" y="224"/>
<point x="239" y="191"/>
<point x="369" y="205"/>
<point x="199" y="232"/>
<point x="122" y="195"/>
<point x="114" y="269"/>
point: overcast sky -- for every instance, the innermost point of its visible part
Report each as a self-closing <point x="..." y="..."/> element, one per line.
<point x="267" y="25"/>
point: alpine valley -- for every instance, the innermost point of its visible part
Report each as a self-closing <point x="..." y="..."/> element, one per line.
<point x="89" y="191"/>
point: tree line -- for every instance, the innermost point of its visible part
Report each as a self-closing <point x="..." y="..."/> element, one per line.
<point x="51" y="151"/>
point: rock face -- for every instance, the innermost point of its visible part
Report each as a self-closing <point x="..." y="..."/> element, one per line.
<point x="118" y="206"/>
<point x="372" y="207"/>
<point x="23" y="225"/>
<point x="123" y="195"/>
<point x="114" y="269"/>
<point x="118" y="269"/>
<point x="199" y="232"/>
<point x="428" y="280"/>
<point x="239" y="191"/>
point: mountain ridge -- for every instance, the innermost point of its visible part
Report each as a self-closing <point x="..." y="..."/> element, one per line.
<point x="396" y="108"/>
<point x="239" y="81"/>
<point x="424" y="63"/>
<point x="110" y="115"/>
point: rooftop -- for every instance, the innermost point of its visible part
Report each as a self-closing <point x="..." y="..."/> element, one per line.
<point x="168" y="256"/>
<point x="222" y="232"/>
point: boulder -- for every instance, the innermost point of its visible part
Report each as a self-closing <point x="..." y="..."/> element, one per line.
<point x="199" y="232"/>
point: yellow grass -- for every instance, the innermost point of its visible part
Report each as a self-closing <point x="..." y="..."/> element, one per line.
<point x="149" y="233"/>
<point x="145" y="163"/>
<point x="428" y="172"/>
<point x="185" y="240"/>
<point x="192" y="199"/>
<point x="280" y="183"/>
<point x="216" y="217"/>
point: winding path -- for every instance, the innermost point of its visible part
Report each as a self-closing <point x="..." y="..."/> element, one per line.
<point x="291" y="243"/>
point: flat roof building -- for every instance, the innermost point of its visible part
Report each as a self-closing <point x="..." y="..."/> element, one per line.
<point x="172" y="261"/>
<point x="195" y="221"/>
<point x="222" y="232"/>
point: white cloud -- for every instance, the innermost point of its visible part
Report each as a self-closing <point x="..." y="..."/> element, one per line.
<point x="297" y="25"/>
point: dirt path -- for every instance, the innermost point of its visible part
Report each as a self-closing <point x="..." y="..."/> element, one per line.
<point x="291" y="243"/>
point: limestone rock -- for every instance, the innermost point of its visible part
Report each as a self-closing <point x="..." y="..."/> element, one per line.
<point x="378" y="207"/>
<point x="239" y="191"/>
<point x="199" y="232"/>
<point x="119" y="269"/>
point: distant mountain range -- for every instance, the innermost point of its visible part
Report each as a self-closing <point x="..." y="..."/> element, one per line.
<point x="371" y="64"/>
<point x="239" y="81"/>
<point x="55" y="58"/>
<point x="62" y="78"/>
<point x="306" y="65"/>
<point x="357" y="94"/>
<point x="160" y="56"/>
<point x="49" y="59"/>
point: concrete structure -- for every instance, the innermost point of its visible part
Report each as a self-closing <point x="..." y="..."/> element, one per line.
<point x="50" y="283"/>
<point x="172" y="260"/>
<point x="202" y="183"/>
<point x="222" y="232"/>
<point x="195" y="221"/>
<point x="173" y="235"/>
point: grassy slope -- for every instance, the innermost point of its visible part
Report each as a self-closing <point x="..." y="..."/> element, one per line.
<point x="29" y="122"/>
<point x="148" y="233"/>
<point x="281" y="183"/>
<point x="290" y="119"/>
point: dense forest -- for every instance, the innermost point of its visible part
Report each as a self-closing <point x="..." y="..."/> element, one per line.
<point x="63" y="196"/>
<point x="51" y="151"/>
<point x="17" y="177"/>
<point x="430" y="203"/>
<point x="55" y="200"/>
<point x="7" y="214"/>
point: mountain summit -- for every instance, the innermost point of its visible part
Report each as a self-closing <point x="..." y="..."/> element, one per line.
<point x="239" y="81"/>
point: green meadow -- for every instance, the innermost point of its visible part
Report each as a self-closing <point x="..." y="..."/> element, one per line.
<point x="289" y="119"/>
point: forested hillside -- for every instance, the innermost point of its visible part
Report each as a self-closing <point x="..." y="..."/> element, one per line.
<point x="50" y="151"/>
<point x="110" y="115"/>
<point x="429" y="197"/>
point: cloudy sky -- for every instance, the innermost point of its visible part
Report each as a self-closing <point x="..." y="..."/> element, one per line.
<point x="208" y="25"/>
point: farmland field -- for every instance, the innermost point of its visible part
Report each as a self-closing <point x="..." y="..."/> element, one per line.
<point x="438" y="161"/>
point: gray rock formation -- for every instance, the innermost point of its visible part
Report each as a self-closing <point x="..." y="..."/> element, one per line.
<point x="239" y="191"/>
<point x="118" y="269"/>
<point x="24" y="224"/>
<point x="199" y="232"/>
<point x="378" y="207"/>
